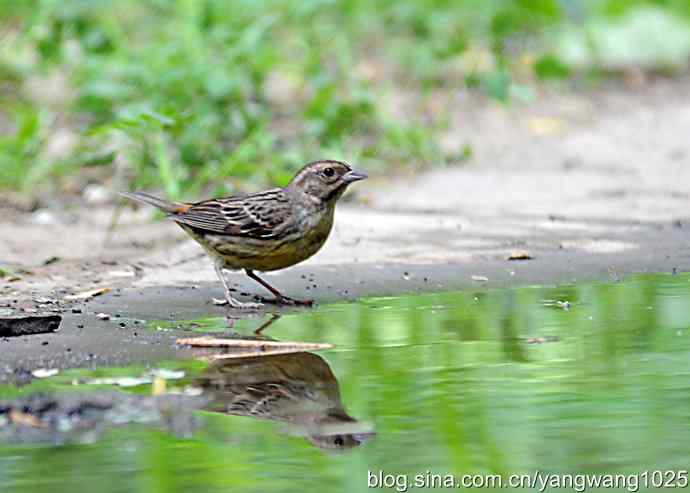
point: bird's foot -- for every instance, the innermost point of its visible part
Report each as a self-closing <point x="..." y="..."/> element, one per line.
<point x="284" y="300"/>
<point x="231" y="302"/>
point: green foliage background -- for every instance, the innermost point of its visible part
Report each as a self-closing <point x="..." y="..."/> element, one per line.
<point x="180" y="94"/>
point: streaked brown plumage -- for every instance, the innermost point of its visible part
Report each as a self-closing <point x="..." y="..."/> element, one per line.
<point x="268" y="230"/>
<point x="299" y="389"/>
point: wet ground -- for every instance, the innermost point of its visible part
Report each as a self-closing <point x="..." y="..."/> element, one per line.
<point x="586" y="377"/>
<point x="110" y="329"/>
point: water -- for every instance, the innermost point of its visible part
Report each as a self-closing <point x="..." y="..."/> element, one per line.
<point x="591" y="378"/>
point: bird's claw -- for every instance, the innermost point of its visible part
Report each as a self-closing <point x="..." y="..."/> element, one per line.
<point x="238" y="305"/>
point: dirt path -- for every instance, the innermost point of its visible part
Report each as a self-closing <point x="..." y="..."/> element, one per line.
<point x="595" y="174"/>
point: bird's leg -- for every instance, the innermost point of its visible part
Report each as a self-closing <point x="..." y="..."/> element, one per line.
<point x="232" y="302"/>
<point x="279" y="298"/>
<point x="267" y="324"/>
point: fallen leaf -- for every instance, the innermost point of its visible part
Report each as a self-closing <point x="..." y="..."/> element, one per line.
<point x="519" y="255"/>
<point x="87" y="294"/>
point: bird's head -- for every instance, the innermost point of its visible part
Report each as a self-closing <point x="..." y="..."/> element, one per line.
<point x="325" y="181"/>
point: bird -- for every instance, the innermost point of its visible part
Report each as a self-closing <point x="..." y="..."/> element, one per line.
<point x="299" y="389"/>
<point x="264" y="231"/>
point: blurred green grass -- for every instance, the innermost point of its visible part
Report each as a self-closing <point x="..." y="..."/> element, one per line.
<point x="221" y="95"/>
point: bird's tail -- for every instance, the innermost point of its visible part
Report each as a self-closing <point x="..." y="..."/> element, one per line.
<point x="162" y="204"/>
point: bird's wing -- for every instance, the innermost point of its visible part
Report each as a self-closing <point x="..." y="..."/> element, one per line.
<point x="261" y="215"/>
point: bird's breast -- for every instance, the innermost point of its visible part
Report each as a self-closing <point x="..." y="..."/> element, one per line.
<point x="305" y="236"/>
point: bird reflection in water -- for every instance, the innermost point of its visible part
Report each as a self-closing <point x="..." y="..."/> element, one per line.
<point x="297" y="388"/>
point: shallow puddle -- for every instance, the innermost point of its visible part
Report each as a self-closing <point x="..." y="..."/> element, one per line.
<point x="573" y="379"/>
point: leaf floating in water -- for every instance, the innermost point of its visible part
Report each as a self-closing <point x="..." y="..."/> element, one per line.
<point x="87" y="294"/>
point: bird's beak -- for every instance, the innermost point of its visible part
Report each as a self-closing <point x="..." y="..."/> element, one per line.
<point x="354" y="175"/>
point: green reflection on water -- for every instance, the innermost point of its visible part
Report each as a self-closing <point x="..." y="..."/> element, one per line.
<point x="497" y="381"/>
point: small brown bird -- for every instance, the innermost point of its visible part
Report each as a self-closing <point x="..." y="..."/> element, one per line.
<point x="264" y="231"/>
<point x="299" y="389"/>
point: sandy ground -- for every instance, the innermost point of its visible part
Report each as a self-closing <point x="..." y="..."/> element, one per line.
<point x="597" y="173"/>
<point x="589" y="186"/>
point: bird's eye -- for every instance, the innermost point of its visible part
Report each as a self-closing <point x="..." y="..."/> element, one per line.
<point x="328" y="172"/>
